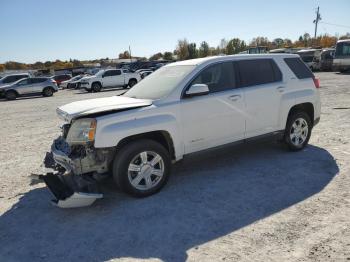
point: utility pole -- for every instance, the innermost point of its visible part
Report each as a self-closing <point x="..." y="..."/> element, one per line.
<point x="318" y="18"/>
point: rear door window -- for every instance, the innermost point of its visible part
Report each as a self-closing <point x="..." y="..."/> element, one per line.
<point x="219" y="77"/>
<point x="258" y="72"/>
<point x="115" y="72"/>
<point x="299" y="68"/>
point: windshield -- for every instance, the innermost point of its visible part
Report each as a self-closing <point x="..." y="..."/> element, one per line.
<point x="99" y="73"/>
<point x="343" y="49"/>
<point x="160" y="83"/>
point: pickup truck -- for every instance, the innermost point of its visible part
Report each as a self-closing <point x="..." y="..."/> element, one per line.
<point x="109" y="78"/>
<point x="182" y="108"/>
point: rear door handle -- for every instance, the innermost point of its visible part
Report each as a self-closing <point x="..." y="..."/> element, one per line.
<point x="234" y="97"/>
<point x="281" y="89"/>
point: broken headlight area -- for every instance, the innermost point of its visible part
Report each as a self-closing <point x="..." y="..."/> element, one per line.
<point x="78" y="168"/>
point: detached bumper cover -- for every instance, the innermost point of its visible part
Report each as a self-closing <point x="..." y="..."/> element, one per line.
<point x="70" y="190"/>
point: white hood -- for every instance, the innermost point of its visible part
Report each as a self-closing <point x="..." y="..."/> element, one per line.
<point x="97" y="105"/>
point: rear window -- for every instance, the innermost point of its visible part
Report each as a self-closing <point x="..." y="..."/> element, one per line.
<point x="299" y="68"/>
<point x="258" y="72"/>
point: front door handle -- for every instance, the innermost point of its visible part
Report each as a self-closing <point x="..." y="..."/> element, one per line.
<point x="281" y="89"/>
<point x="234" y="97"/>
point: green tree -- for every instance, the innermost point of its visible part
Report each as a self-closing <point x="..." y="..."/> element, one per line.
<point x="156" y="56"/>
<point x="279" y="42"/>
<point x="203" y="49"/>
<point x="192" y="51"/>
<point x="182" y="49"/>
<point x="168" y="56"/>
<point x="307" y="39"/>
<point x="235" y="46"/>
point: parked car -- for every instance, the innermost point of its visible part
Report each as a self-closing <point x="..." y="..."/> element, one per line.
<point x="341" y="60"/>
<point x="12" y="78"/>
<point x="109" y="78"/>
<point x="60" y="78"/>
<point x="71" y="83"/>
<point x="308" y="56"/>
<point x="325" y="59"/>
<point x="182" y="108"/>
<point x="36" y="85"/>
<point x="145" y="73"/>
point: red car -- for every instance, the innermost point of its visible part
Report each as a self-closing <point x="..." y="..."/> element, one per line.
<point x="60" y="78"/>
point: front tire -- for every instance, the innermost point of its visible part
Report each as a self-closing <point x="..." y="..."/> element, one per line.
<point x="96" y="87"/>
<point x="142" y="168"/>
<point x="11" y="95"/>
<point x="298" y="130"/>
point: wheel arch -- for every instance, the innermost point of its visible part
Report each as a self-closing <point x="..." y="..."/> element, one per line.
<point x="160" y="136"/>
<point x="307" y="107"/>
<point x="12" y="90"/>
<point x="46" y="87"/>
<point x="97" y="82"/>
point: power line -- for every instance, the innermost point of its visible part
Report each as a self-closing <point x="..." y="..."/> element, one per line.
<point x="346" y="26"/>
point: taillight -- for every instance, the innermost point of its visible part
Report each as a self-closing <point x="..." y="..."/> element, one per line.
<point x="316" y="82"/>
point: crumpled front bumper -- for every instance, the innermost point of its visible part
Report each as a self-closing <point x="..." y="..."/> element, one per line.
<point x="69" y="186"/>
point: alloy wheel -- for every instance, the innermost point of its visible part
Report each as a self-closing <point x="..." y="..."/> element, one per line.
<point x="146" y="170"/>
<point x="299" y="131"/>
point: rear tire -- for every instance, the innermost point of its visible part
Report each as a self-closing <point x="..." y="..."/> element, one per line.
<point x="96" y="87"/>
<point x="136" y="174"/>
<point x="298" y="130"/>
<point x="11" y="95"/>
<point x="48" y="91"/>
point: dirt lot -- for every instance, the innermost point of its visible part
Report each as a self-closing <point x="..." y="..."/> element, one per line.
<point x="255" y="202"/>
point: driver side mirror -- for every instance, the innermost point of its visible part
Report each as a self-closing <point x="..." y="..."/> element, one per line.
<point x="197" y="90"/>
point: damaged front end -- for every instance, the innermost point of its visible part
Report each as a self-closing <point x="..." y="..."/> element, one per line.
<point x="77" y="166"/>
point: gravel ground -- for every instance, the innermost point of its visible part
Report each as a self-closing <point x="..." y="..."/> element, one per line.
<point x="255" y="202"/>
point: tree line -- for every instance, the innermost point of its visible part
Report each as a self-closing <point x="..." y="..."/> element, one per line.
<point x="189" y="50"/>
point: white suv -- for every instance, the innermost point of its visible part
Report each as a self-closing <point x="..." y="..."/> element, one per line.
<point x="183" y="108"/>
<point x="109" y="78"/>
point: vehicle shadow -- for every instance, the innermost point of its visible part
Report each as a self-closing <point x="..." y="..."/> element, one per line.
<point x="3" y="99"/>
<point x="343" y="73"/>
<point x="209" y="196"/>
<point x="82" y="91"/>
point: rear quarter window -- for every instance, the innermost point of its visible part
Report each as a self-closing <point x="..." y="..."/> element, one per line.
<point x="299" y="68"/>
<point x="258" y="72"/>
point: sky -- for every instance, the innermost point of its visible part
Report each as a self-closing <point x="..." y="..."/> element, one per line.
<point x="42" y="30"/>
